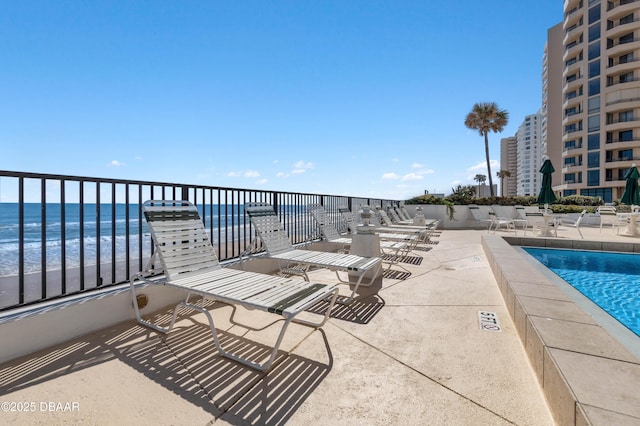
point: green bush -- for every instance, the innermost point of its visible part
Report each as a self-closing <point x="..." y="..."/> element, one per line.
<point x="570" y="204"/>
<point x="433" y="200"/>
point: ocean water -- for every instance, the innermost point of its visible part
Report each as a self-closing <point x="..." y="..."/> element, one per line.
<point x="51" y="223"/>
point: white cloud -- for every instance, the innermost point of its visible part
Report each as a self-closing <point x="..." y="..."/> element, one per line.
<point x="426" y="172"/>
<point x="416" y="166"/>
<point x="390" y="176"/>
<point x="481" y="169"/>
<point x="412" y="176"/>
<point x="395" y="160"/>
<point x="282" y="174"/>
<point x="261" y="181"/>
<point x="246" y="174"/>
<point x="303" y="165"/>
<point x="495" y="165"/>
<point x="115" y="163"/>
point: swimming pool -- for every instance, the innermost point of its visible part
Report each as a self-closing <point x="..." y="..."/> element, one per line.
<point x="610" y="280"/>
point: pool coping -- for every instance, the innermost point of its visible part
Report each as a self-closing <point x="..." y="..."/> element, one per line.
<point x="588" y="377"/>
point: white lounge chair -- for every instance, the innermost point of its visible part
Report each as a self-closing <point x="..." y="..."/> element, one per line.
<point x="397" y="243"/>
<point x="574" y="223"/>
<point x="422" y="234"/>
<point x="499" y="222"/>
<point x="395" y="217"/>
<point x="278" y="246"/>
<point x="190" y="264"/>
<point x="479" y="216"/>
<point x="385" y="220"/>
<point x="609" y="216"/>
<point x="394" y="246"/>
<point x="520" y="218"/>
<point x="404" y="213"/>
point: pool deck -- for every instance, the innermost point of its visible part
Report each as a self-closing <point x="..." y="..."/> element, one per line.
<point x="412" y="352"/>
<point x="588" y="364"/>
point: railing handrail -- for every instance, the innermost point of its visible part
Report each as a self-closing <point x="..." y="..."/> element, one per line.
<point x="86" y="233"/>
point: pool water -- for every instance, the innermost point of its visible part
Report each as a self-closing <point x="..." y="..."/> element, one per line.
<point x="610" y="280"/>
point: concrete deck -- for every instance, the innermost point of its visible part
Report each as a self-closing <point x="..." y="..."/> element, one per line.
<point x="414" y="353"/>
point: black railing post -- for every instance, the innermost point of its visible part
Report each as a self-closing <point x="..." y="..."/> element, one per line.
<point x="78" y="232"/>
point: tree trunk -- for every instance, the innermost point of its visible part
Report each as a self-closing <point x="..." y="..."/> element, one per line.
<point x="486" y="151"/>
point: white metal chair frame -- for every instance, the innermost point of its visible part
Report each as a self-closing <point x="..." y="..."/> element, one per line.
<point x="608" y="216"/>
<point x="278" y="246"/>
<point x="574" y="223"/>
<point x="395" y="249"/>
<point x="190" y="264"/>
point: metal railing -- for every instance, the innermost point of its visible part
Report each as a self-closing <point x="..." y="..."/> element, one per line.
<point x="63" y="235"/>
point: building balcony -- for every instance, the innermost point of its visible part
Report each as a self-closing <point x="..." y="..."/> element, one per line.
<point x="622" y="143"/>
<point x="620" y="67"/>
<point x="571" y="168"/>
<point x="573" y="68"/>
<point x="623" y="161"/>
<point x="572" y="50"/>
<point x="572" y="119"/>
<point x="574" y="101"/>
<point x="571" y="151"/>
<point x="571" y="4"/>
<point x="572" y="33"/>
<point x="620" y="8"/>
<point x="618" y="30"/>
<point x="572" y="181"/>
<point x="627" y="83"/>
<point x="616" y="48"/>
<point x="573" y="84"/>
<point x="572" y="17"/>
<point x="617" y="125"/>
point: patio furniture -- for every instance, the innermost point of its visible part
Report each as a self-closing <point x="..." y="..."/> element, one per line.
<point x="422" y="234"/>
<point x="478" y="216"/>
<point x="574" y="223"/>
<point x="278" y="246"/>
<point x="499" y="222"/>
<point x="190" y="264"/>
<point x="608" y="216"/>
<point x="396" y="243"/>
<point x="542" y="222"/>
<point x="394" y="246"/>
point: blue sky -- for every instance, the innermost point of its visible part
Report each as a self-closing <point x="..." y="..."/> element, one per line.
<point x="362" y="98"/>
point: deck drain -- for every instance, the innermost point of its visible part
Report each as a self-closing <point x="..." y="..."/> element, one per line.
<point x="489" y="321"/>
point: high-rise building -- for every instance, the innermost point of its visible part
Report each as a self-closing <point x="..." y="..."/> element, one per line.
<point x="528" y="155"/>
<point x="508" y="162"/>
<point x="551" y="128"/>
<point x="600" y="97"/>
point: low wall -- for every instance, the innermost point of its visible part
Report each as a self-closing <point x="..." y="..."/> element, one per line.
<point x="463" y="219"/>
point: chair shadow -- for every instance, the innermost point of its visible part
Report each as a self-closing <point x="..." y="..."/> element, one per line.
<point x="411" y="260"/>
<point x="187" y="363"/>
<point x="360" y="311"/>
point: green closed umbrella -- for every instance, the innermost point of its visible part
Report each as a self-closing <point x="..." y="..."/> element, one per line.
<point x="631" y="193"/>
<point x="546" y="195"/>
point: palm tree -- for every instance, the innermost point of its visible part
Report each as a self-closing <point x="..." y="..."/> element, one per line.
<point x="487" y="117"/>
<point x="503" y="174"/>
<point x="480" y="178"/>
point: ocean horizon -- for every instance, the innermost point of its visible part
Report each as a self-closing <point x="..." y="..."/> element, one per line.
<point x="84" y="232"/>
